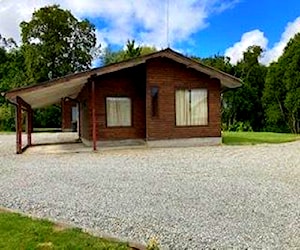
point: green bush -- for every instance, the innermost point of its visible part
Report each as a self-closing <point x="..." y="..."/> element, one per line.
<point x="240" y="127"/>
<point x="49" y="117"/>
<point x="7" y="118"/>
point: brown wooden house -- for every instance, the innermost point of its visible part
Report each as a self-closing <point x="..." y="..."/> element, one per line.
<point x="162" y="99"/>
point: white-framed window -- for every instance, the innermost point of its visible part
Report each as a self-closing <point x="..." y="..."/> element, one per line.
<point x="118" y="112"/>
<point x="191" y="107"/>
<point x="74" y="117"/>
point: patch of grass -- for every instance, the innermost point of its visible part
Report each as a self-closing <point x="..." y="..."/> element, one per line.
<point x="19" y="232"/>
<point x="251" y="138"/>
<point x="7" y="132"/>
<point x="48" y="130"/>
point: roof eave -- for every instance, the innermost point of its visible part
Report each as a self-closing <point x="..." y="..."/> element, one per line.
<point x="226" y="80"/>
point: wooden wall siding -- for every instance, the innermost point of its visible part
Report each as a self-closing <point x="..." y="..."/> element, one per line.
<point x="125" y="83"/>
<point x="66" y="106"/>
<point x="136" y="83"/>
<point x="168" y="76"/>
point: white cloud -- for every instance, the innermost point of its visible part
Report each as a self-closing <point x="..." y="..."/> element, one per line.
<point x="274" y="53"/>
<point x="257" y="37"/>
<point x="145" y="21"/>
<point x="12" y="12"/>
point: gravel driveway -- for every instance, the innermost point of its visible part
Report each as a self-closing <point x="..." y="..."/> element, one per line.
<point x="188" y="198"/>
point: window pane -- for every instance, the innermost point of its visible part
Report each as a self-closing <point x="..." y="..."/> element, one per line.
<point x="182" y="108"/>
<point x="191" y="107"/>
<point x="154" y="101"/>
<point x="74" y="114"/>
<point x="199" y="107"/>
<point x="118" y="111"/>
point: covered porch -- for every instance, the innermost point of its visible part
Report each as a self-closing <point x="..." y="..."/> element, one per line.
<point x="27" y="99"/>
<point x="69" y="87"/>
<point x="68" y="143"/>
<point x="57" y="91"/>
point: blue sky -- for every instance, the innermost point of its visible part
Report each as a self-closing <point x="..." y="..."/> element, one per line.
<point x="197" y="27"/>
<point x="269" y="16"/>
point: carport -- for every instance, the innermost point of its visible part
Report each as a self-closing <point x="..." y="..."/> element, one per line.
<point x="55" y="91"/>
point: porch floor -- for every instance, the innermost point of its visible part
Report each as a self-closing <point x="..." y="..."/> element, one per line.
<point x="58" y="148"/>
<point x="67" y="142"/>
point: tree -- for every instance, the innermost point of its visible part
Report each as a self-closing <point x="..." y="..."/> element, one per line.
<point x="219" y="62"/>
<point x="132" y="51"/>
<point x="249" y="106"/>
<point x="109" y="56"/>
<point x="12" y="75"/>
<point x="7" y="43"/>
<point x="282" y="90"/>
<point x="55" y="43"/>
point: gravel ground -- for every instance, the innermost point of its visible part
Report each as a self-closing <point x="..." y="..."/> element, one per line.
<point x="188" y="198"/>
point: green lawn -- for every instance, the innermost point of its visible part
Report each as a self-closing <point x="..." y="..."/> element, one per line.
<point x="6" y="132"/>
<point x="251" y="138"/>
<point x="19" y="232"/>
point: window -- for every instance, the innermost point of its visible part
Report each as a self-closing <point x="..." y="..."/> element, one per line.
<point x="74" y="117"/>
<point x="118" y="111"/>
<point x="191" y="107"/>
<point x="154" y="101"/>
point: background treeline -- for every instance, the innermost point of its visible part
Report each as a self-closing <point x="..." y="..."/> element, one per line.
<point x="269" y="99"/>
<point x="55" y="43"/>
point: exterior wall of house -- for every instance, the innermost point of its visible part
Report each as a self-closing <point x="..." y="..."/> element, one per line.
<point x="66" y="121"/>
<point x="168" y="76"/>
<point x="136" y="83"/>
<point x="125" y="83"/>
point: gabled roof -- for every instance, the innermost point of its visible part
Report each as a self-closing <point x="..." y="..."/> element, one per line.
<point x="51" y="92"/>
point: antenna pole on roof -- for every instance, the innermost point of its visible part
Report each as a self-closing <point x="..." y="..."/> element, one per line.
<point x="167" y="23"/>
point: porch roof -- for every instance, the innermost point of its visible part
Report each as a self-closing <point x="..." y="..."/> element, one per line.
<point x="51" y="92"/>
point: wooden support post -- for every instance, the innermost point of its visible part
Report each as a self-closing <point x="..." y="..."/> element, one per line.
<point x="94" y="117"/>
<point x="29" y="127"/>
<point x="19" y="129"/>
<point x="79" y="119"/>
<point x="22" y="105"/>
<point x="62" y="102"/>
